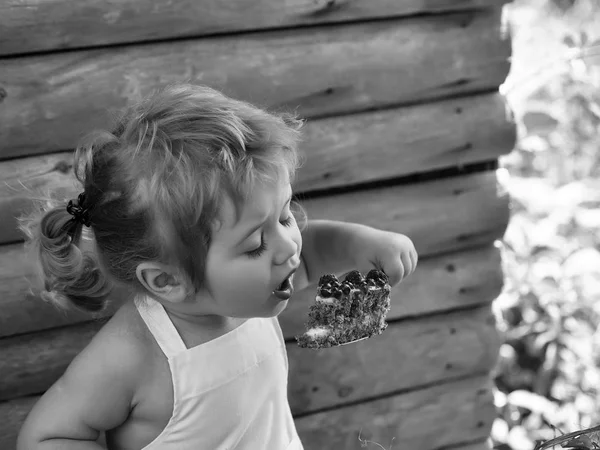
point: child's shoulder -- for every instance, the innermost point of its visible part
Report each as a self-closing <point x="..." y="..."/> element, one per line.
<point x="121" y="349"/>
<point x="101" y="386"/>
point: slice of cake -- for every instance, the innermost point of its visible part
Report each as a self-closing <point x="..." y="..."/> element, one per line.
<point x="345" y="311"/>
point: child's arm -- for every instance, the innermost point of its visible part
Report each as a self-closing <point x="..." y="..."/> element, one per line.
<point x="94" y="394"/>
<point x="326" y="249"/>
<point x="335" y="247"/>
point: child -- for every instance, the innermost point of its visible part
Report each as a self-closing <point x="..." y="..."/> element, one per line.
<point x="188" y="204"/>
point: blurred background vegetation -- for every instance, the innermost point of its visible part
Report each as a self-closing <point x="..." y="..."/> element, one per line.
<point x="548" y="372"/>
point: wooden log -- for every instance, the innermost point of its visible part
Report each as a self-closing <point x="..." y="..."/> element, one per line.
<point x="340" y="151"/>
<point x="26" y="177"/>
<point x="441" y="283"/>
<point x="440" y="216"/>
<point x="481" y="445"/>
<point x="444" y="415"/>
<point x="360" y="67"/>
<point x="13" y="413"/>
<point x="37" y="360"/>
<point x="431" y="349"/>
<point x="409" y="354"/>
<point x="59" y="24"/>
<point x="428" y="419"/>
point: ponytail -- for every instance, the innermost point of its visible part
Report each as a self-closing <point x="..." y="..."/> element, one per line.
<point x="71" y="274"/>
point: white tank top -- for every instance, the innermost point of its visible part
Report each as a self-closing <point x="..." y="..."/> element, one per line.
<point x="229" y="393"/>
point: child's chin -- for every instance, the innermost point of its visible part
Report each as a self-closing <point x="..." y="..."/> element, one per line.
<point x="280" y="307"/>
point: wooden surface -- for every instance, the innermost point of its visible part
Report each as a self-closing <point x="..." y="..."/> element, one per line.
<point x="428" y="418"/>
<point x="317" y="72"/>
<point x="34" y="26"/>
<point x="440" y="216"/>
<point x="13" y="413"/>
<point x="31" y="362"/>
<point x="390" y="89"/>
<point x="431" y="418"/>
<point x="441" y="283"/>
<point x="480" y="445"/>
<point x="339" y="151"/>
<point x="435" y="349"/>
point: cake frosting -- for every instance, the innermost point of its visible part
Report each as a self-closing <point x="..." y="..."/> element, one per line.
<point x="347" y="310"/>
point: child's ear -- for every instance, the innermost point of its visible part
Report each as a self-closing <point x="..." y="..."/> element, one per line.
<point x="161" y="282"/>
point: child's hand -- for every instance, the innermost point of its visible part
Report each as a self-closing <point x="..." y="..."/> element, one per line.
<point x="393" y="253"/>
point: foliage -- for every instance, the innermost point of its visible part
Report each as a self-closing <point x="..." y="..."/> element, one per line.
<point x="548" y="372"/>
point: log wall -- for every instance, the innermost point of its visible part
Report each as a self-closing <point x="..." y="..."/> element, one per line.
<point x="403" y="118"/>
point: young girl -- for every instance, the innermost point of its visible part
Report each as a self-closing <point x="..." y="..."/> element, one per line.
<point x="188" y="206"/>
<point x="176" y="199"/>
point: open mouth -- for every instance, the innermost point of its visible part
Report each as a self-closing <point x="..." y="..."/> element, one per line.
<point x="284" y="285"/>
<point x="285" y="290"/>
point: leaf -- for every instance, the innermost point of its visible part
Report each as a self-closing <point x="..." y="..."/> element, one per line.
<point x="565" y="438"/>
<point x="499" y="430"/>
<point x="569" y="41"/>
<point x="534" y="143"/>
<point x="518" y="439"/>
<point x="536" y="194"/>
<point x="581" y="442"/>
<point x="576" y="193"/>
<point x="531" y="401"/>
<point x="585" y="260"/>
<point x="538" y="122"/>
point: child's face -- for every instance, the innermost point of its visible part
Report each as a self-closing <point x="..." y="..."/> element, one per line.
<point x="239" y="284"/>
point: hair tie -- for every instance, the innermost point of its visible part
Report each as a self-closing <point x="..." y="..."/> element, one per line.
<point x="81" y="214"/>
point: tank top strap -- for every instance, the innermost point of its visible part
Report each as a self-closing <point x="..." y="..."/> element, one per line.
<point x="160" y="325"/>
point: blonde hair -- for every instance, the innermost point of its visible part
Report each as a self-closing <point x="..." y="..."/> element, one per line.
<point x="155" y="186"/>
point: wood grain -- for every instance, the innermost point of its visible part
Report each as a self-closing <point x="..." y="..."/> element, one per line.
<point x="439" y="216"/>
<point x="409" y="354"/>
<point x="443" y="415"/>
<point x="480" y="445"/>
<point x="13" y="413"/>
<point x="339" y="151"/>
<point x="49" y="101"/>
<point x="441" y="283"/>
<point x="35" y="26"/>
<point x="427" y="419"/>
<point x="443" y="346"/>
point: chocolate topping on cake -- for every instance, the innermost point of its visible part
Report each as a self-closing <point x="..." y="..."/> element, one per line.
<point x="328" y="279"/>
<point x="378" y="276"/>
<point x="345" y="311"/>
<point x="354" y="277"/>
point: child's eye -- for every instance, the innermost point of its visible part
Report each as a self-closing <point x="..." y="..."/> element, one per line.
<point x="287" y="222"/>
<point x="263" y="245"/>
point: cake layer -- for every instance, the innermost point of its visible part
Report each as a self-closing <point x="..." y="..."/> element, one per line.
<point x="346" y="311"/>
